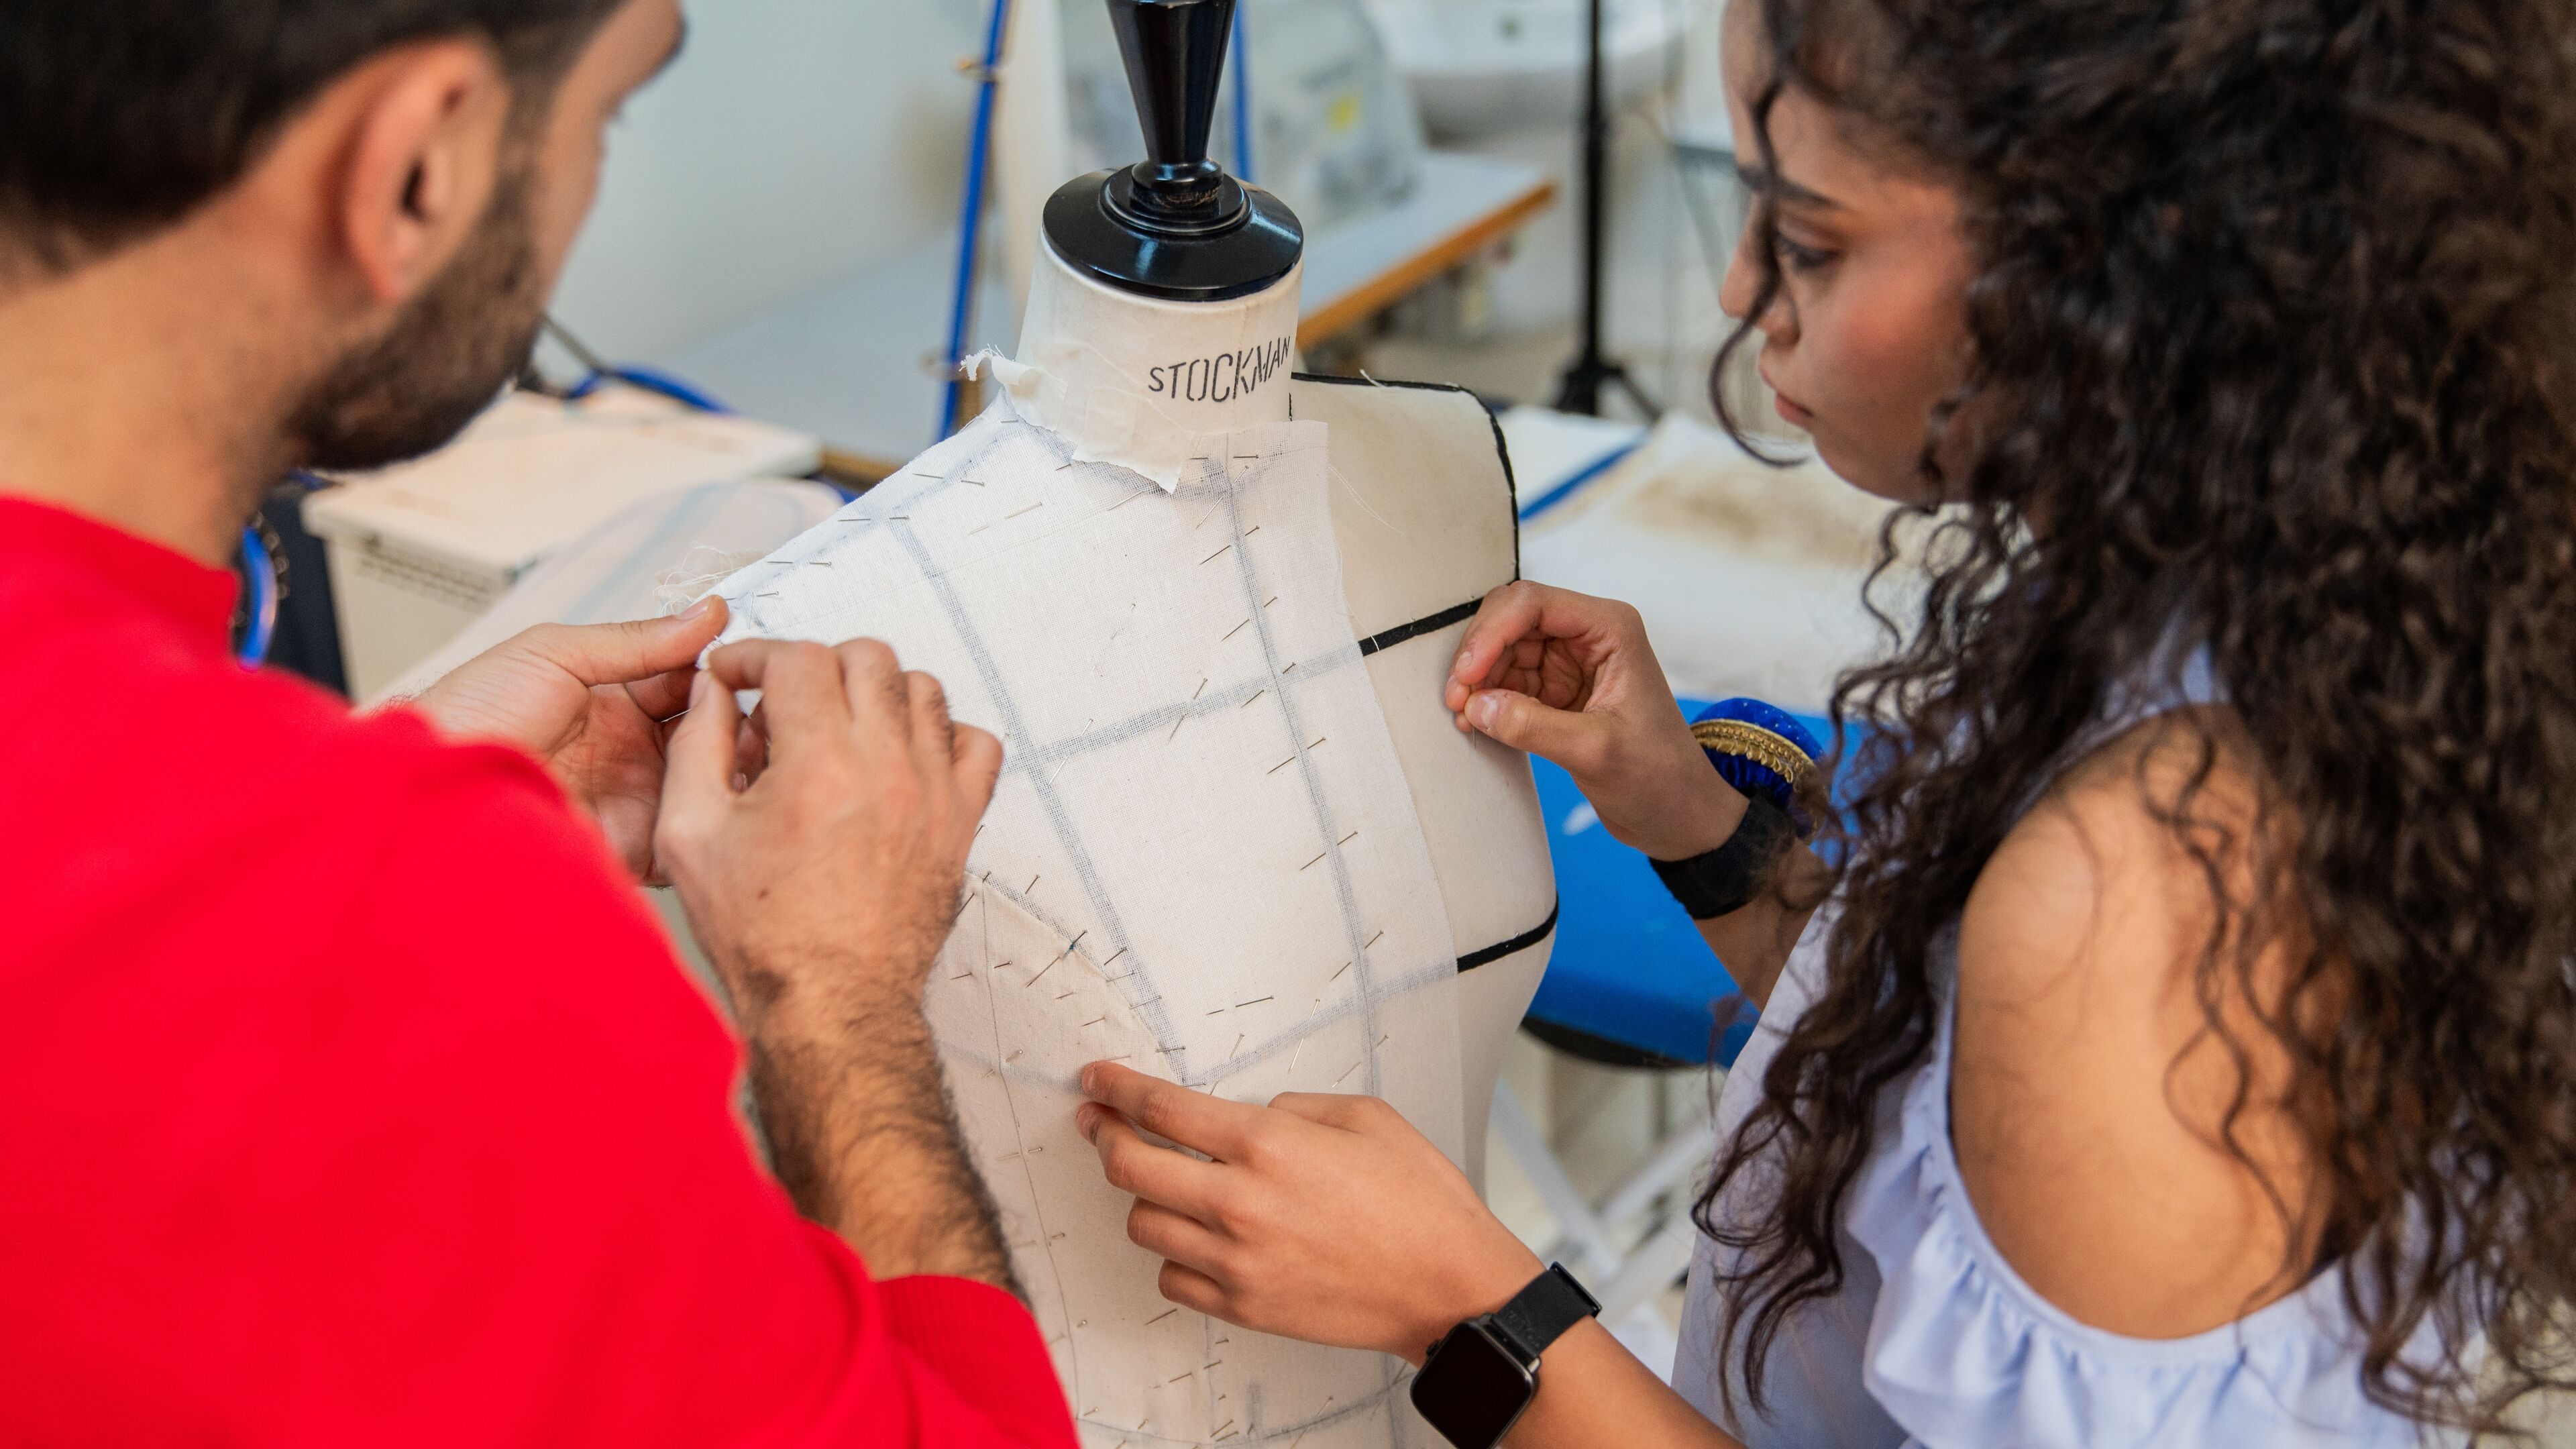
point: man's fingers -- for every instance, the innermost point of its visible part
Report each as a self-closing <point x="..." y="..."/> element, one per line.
<point x="801" y="695"/>
<point x="665" y="694"/>
<point x="977" y="760"/>
<point x="698" y="768"/>
<point x="934" y="734"/>
<point x="1172" y="1112"/>
<point x="598" y="654"/>
<point x="880" y="697"/>
<point x="1573" y="739"/>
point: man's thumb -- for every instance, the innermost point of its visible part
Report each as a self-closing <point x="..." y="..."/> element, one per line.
<point x="598" y="654"/>
<point x="1567" y="737"/>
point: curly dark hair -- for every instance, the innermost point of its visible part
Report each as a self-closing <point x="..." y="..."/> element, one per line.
<point x="2274" y="326"/>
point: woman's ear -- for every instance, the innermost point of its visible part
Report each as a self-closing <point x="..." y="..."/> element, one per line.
<point x="422" y="158"/>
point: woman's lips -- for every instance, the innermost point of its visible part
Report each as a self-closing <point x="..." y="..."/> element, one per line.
<point x="1794" y="415"/>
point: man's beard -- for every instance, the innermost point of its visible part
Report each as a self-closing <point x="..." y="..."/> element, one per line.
<point x="448" y="354"/>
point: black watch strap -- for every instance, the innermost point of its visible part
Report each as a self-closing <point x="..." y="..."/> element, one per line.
<point x="1540" y="1314"/>
<point x="1726" y="880"/>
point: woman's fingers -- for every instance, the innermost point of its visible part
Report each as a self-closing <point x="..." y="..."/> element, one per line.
<point x="1195" y="1120"/>
<point x="1508" y="615"/>
<point x="1133" y="1165"/>
<point x="1177" y="1236"/>
<point x="1574" y="739"/>
<point x="1192" y="1289"/>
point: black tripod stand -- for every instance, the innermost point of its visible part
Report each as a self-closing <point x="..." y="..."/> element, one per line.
<point x="1580" y="390"/>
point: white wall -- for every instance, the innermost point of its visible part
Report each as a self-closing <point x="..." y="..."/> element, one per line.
<point x="795" y="141"/>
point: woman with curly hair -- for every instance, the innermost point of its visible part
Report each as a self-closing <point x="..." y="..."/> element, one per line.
<point x="2187" y="1054"/>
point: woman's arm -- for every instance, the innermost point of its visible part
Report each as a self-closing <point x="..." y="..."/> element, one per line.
<point x="1330" y="1219"/>
<point x="1572" y="679"/>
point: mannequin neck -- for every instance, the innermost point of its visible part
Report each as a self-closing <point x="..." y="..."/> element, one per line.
<point x="1122" y="367"/>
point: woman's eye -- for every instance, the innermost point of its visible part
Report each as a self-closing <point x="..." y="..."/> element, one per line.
<point x="1799" y="258"/>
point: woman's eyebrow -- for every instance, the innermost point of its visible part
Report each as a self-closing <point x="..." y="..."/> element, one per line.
<point x="1763" y="182"/>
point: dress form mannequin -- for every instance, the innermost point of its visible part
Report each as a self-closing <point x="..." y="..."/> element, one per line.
<point x="1238" y="841"/>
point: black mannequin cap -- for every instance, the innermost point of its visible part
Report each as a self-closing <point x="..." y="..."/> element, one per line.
<point x="1174" y="225"/>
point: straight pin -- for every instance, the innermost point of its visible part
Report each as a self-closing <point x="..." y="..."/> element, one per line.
<point x="1256" y="694"/>
<point x="1237" y="629"/>
<point x="1345" y="840"/>
<point x="1113" y="960"/>
<point x="1212" y="558"/>
<point x="1283" y="764"/>
<point x="1032" y="508"/>
<point x="1338" y="974"/>
<point x="1159" y="1317"/>
<point x="1310" y="865"/>
<point x="1346" y="1074"/>
<point x="1256" y="1001"/>
<point x="1373" y="940"/>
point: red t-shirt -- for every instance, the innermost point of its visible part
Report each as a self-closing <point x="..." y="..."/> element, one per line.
<point x="349" y="1094"/>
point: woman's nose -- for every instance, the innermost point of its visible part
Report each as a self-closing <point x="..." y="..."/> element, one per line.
<point x="1746" y="276"/>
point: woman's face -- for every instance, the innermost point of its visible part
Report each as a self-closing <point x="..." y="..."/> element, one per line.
<point x="1869" y="329"/>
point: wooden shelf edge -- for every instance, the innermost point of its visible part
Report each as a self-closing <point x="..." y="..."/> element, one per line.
<point x="1424" y="267"/>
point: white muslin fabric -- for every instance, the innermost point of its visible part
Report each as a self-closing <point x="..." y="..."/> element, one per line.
<point x="1202" y="859"/>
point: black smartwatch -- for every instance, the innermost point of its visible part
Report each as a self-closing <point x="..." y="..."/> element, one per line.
<point x="1484" y="1372"/>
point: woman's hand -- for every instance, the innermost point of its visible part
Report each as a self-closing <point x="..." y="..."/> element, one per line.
<point x="1323" y="1218"/>
<point x="1571" y="678"/>
<point x="593" y="703"/>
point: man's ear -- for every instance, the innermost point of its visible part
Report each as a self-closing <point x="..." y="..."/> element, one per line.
<point x="423" y="157"/>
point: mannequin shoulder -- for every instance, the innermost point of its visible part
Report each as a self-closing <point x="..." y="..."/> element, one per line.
<point x="2091" y="1099"/>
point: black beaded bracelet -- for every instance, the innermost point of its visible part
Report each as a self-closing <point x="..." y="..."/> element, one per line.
<point x="1725" y="880"/>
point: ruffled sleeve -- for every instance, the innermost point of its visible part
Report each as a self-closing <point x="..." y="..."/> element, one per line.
<point x="1963" y="1354"/>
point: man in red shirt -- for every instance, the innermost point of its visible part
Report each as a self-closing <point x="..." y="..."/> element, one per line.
<point x="441" y="1153"/>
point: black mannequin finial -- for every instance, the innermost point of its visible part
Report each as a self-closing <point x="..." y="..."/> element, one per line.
<point x="1174" y="224"/>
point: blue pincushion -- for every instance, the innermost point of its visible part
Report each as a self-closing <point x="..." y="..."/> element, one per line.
<point x="1760" y="749"/>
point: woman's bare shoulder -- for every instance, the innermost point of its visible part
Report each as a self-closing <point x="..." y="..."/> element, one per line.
<point x="2090" y="1096"/>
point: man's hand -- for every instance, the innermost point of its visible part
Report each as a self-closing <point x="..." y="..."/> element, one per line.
<point x="822" y="887"/>
<point x="1571" y="678"/>
<point x="591" y="702"/>
<point x="1320" y="1217"/>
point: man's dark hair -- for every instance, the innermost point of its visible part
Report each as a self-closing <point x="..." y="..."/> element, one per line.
<point x="119" y="117"/>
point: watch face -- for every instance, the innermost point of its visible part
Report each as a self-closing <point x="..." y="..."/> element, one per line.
<point x="1472" y="1388"/>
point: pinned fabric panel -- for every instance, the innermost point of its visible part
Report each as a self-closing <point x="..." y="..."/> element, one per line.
<point x="1203" y="859"/>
